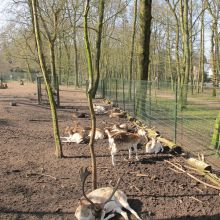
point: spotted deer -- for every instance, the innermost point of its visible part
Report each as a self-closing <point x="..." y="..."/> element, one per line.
<point x="123" y="140"/>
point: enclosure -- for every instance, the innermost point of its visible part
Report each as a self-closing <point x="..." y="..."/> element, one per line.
<point x="34" y="184"/>
<point x="157" y="104"/>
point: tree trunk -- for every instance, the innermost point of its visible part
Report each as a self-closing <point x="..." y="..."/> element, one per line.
<point x="75" y="51"/>
<point x="89" y="93"/>
<point x="58" y="146"/>
<point x="52" y="65"/>
<point x="98" y="46"/>
<point x="145" y="32"/>
<point x="68" y="62"/>
<point x="132" y="48"/>
<point x="177" y="30"/>
<point x="191" y="48"/>
<point x="213" y="59"/>
<point x="30" y="76"/>
<point x="186" y="54"/>
<point x="133" y="41"/>
<point x="200" y="79"/>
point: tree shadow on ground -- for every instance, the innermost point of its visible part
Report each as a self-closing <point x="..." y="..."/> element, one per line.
<point x="40" y="214"/>
<point x="154" y="159"/>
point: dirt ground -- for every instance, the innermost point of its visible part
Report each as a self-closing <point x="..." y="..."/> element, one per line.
<point x="34" y="184"/>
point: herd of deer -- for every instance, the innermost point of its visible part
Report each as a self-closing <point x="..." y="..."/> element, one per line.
<point x="102" y="201"/>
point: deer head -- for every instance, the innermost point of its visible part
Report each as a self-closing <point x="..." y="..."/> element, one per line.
<point x="88" y="210"/>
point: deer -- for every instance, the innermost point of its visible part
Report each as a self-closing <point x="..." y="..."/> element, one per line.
<point x="117" y="115"/>
<point x="99" y="110"/>
<point x="102" y="201"/>
<point x="123" y="140"/>
<point x="120" y="128"/>
<point x="154" y="146"/>
<point x="74" y="138"/>
<point x="76" y="134"/>
<point x="99" y="134"/>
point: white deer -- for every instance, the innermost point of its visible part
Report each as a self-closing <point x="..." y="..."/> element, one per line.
<point x="154" y="146"/>
<point x="98" y="203"/>
<point x="99" y="134"/>
<point x="99" y="110"/>
<point x="76" y="134"/>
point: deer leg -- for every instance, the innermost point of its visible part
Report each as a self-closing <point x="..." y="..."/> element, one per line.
<point x="113" y="153"/>
<point x="129" y="153"/>
<point x="103" y="215"/>
<point x="113" y="158"/>
<point x="109" y="216"/>
<point x="136" y="151"/>
<point x="126" y="206"/>
<point x="121" y="212"/>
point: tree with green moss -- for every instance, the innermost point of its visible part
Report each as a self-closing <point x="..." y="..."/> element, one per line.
<point x="89" y="95"/>
<point x="34" y="11"/>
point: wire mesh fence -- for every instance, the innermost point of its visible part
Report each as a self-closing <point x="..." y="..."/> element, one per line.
<point x="158" y="105"/>
<point x="42" y="95"/>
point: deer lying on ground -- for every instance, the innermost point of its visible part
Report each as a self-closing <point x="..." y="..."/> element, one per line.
<point x="154" y="146"/>
<point x="75" y="138"/>
<point x="99" y="134"/>
<point x="76" y="133"/>
<point x="123" y="140"/>
<point x="117" y="113"/>
<point x="120" y="128"/>
<point x="98" y="203"/>
<point x="99" y="110"/>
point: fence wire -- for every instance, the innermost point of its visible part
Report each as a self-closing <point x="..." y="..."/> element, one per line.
<point x="157" y="104"/>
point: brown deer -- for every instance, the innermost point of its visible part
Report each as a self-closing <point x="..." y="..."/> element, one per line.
<point x="123" y="140"/>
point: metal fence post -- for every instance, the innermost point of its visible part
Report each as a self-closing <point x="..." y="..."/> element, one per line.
<point x="116" y="91"/>
<point x="175" y="113"/>
<point x="39" y="95"/>
<point x="110" y="88"/>
<point x="134" y="97"/>
<point x="103" y="88"/>
<point x="149" y="102"/>
<point x="57" y="91"/>
<point x="123" y="88"/>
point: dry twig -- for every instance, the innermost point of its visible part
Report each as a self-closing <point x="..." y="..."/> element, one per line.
<point x="190" y="175"/>
<point x="198" y="200"/>
<point x="40" y="174"/>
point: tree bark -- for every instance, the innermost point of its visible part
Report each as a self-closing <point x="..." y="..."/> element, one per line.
<point x="98" y="46"/>
<point x="145" y="32"/>
<point x="132" y="48"/>
<point x="89" y="94"/>
<point x="58" y="146"/>
<point x="186" y="53"/>
<point x="200" y="79"/>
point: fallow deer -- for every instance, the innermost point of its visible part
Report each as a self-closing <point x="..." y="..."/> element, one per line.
<point x="154" y="146"/>
<point x="99" y="134"/>
<point x="123" y="140"/>
<point x="120" y="128"/>
<point x="99" y="110"/>
<point x="76" y="134"/>
<point x="102" y="201"/>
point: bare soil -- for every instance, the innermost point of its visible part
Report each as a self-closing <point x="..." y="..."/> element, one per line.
<point x="34" y="184"/>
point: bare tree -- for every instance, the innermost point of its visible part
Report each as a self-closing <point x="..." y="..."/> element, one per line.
<point x="89" y="93"/>
<point x="98" y="46"/>
<point x="34" y="10"/>
<point x="145" y="26"/>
